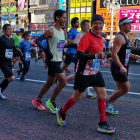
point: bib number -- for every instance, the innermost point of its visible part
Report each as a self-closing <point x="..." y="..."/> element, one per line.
<point x="28" y="55"/>
<point x="9" y="53"/>
<point x="127" y="55"/>
<point x="60" y="45"/>
<point x="95" y="65"/>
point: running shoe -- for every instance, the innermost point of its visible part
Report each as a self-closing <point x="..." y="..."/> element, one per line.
<point x="51" y="105"/>
<point x="22" y="79"/>
<point x="107" y="65"/>
<point x="109" y="108"/>
<point x="90" y="95"/>
<point x="35" y="60"/>
<point x="18" y="73"/>
<point x="2" y="97"/>
<point x="60" y="117"/>
<point x="38" y="104"/>
<point x="105" y="128"/>
<point x="68" y="71"/>
<point x="13" y="69"/>
<point x="0" y="76"/>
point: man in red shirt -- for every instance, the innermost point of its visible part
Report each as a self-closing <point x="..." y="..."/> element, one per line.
<point x="90" y="55"/>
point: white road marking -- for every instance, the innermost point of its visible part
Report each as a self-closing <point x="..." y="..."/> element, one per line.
<point x="71" y="85"/>
<point x="110" y="72"/>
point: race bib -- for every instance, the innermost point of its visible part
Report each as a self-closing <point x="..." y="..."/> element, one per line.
<point x="60" y="45"/>
<point x="95" y="65"/>
<point x="9" y="53"/>
<point x="28" y="55"/>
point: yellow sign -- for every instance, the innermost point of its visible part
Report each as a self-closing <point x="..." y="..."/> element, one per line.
<point x="78" y="3"/>
<point x="78" y="15"/>
<point x="83" y="3"/>
<point x="72" y="3"/>
<point x="88" y="16"/>
<point x="71" y="16"/>
<point x="89" y="2"/>
<point x="107" y="20"/>
<point x="83" y="16"/>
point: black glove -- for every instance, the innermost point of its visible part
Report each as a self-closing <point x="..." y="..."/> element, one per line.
<point x="48" y="54"/>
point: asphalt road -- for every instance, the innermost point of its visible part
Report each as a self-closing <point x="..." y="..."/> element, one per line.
<point x="20" y="120"/>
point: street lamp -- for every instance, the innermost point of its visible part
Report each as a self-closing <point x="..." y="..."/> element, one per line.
<point x="112" y="7"/>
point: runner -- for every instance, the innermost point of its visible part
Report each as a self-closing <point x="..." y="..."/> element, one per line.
<point x="53" y="53"/>
<point x="17" y="39"/>
<point x="24" y="48"/>
<point x="70" y="53"/>
<point x="84" y="29"/>
<point x="119" y="68"/>
<point x="88" y="74"/>
<point x="7" y="55"/>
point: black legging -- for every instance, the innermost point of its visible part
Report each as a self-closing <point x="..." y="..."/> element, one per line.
<point x="26" y="67"/>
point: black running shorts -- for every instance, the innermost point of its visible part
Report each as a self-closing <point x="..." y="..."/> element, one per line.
<point x="53" y="67"/>
<point x="6" y="68"/>
<point x="84" y="81"/>
<point x="117" y="76"/>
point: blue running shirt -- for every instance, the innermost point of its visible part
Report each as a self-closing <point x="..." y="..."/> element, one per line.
<point x="71" y="35"/>
<point x="24" y="46"/>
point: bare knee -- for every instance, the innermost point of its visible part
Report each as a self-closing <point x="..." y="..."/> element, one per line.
<point x="77" y="96"/>
<point x="126" y="89"/>
<point x="12" y="78"/>
<point x="63" y="82"/>
<point x="102" y="95"/>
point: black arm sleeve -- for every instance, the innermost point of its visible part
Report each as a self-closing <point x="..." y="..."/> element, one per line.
<point x="81" y="55"/>
<point x="73" y="45"/>
<point x="14" y="52"/>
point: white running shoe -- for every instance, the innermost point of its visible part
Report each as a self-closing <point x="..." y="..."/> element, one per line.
<point x="90" y="95"/>
<point x="2" y="97"/>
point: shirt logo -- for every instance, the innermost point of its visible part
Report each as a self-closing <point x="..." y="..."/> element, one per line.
<point x="96" y="44"/>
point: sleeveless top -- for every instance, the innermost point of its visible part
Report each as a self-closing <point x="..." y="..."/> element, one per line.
<point x="56" y="44"/>
<point x="124" y="52"/>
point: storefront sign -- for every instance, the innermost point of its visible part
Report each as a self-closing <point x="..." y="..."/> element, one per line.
<point x="23" y="20"/>
<point x="40" y="26"/>
<point x="123" y="3"/>
<point x="132" y="14"/>
<point x="107" y="20"/>
<point x="61" y="4"/>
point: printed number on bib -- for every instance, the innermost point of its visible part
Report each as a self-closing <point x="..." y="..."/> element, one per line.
<point x="60" y="45"/>
<point x="28" y="55"/>
<point x="9" y="53"/>
<point x="95" y="65"/>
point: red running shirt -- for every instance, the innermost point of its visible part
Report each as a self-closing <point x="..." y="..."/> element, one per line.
<point x="94" y="45"/>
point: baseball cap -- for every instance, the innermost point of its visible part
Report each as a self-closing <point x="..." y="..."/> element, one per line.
<point x="17" y="30"/>
<point x="125" y="20"/>
<point x="21" y="30"/>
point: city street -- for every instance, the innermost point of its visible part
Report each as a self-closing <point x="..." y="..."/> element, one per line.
<point x="20" y="120"/>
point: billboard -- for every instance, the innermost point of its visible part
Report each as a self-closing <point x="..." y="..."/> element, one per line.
<point x="22" y="5"/>
<point x="6" y="9"/>
<point x="4" y="1"/>
<point x="23" y="20"/>
<point x="132" y="14"/>
<point x="4" y="20"/>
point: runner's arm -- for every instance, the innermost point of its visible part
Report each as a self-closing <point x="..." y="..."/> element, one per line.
<point x="47" y="34"/>
<point x="133" y="56"/>
<point x="81" y="55"/>
<point x="118" y="42"/>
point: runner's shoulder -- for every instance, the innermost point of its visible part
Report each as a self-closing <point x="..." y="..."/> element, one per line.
<point x="119" y="39"/>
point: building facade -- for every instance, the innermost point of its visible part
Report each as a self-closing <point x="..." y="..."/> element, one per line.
<point x="42" y="13"/>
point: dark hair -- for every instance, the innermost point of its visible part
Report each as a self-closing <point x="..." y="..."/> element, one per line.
<point x="73" y="20"/>
<point x="63" y="27"/>
<point x="25" y="34"/>
<point x="122" y="19"/>
<point x="58" y="13"/>
<point x="21" y="30"/>
<point x="5" y="26"/>
<point x="83" y="23"/>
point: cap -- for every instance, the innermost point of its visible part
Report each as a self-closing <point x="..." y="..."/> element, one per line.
<point x="21" y="30"/>
<point x="17" y="30"/>
<point x="125" y="20"/>
<point x="97" y="17"/>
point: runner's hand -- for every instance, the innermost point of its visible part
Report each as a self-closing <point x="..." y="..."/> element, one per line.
<point x="100" y="55"/>
<point x="123" y="71"/>
<point x="102" y="62"/>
